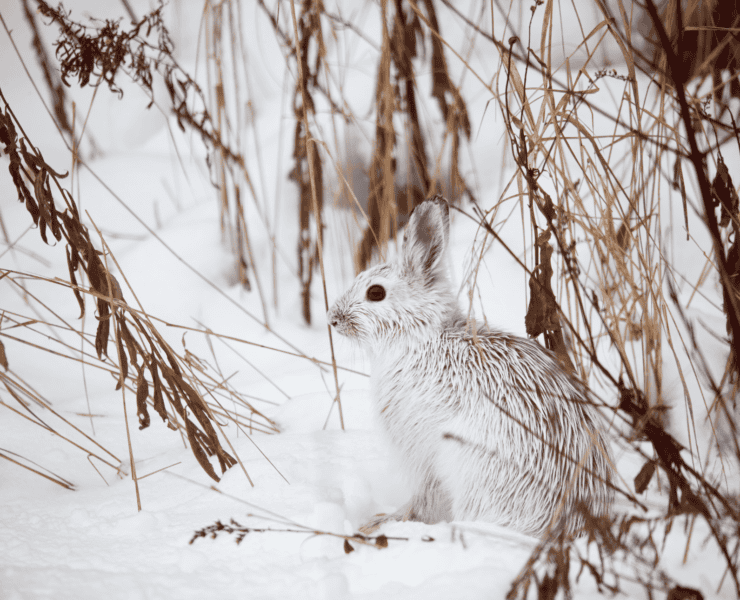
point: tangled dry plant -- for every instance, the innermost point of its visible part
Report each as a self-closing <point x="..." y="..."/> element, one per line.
<point x="624" y="294"/>
<point x="404" y="26"/>
<point x="100" y="53"/>
<point x="162" y="377"/>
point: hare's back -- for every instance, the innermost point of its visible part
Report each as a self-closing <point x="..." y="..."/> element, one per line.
<point x="508" y="369"/>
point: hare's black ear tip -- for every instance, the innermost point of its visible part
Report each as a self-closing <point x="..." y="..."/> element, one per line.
<point x="440" y="200"/>
<point x="437" y="200"/>
<point x="430" y="204"/>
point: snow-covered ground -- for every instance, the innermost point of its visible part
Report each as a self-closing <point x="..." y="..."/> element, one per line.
<point x="92" y="542"/>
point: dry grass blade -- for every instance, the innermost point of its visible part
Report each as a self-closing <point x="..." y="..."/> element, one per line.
<point x="3" y="356"/>
<point x="51" y="477"/>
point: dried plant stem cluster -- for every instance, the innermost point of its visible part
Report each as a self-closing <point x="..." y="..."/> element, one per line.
<point x="162" y="379"/>
<point x="616" y="301"/>
<point x="99" y="54"/>
<point x="240" y="532"/>
<point x="227" y="73"/>
<point x="307" y="170"/>
<point x="405" y="26"/>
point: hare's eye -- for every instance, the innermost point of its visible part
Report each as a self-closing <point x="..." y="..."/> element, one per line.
<point x="375" y="293"/>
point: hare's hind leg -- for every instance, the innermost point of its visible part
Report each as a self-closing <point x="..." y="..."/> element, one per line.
<point x="430" y="504"/>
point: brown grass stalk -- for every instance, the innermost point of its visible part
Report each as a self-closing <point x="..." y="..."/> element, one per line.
<point x="314" y="173"/>
<point x="53" y="478"/>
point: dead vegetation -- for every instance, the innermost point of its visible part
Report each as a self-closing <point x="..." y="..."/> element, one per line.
<point x="142" y="359"/>
<point x="619" y="294"/>
<point x="591" y="186"/>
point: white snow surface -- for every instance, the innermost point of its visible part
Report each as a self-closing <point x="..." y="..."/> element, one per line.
<point x="92" y="542"/>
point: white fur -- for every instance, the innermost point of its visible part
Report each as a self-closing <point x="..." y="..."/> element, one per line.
<point x="490" y="426"/>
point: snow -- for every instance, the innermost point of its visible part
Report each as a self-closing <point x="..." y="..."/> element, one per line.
<point x="92" y="542"/>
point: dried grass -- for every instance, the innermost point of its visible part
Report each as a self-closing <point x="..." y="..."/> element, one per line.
<point x="163" y="379"/>
<point x="618" y="295"/>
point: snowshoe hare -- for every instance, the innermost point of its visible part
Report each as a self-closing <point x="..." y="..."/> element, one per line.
<point x="491" y="426"/>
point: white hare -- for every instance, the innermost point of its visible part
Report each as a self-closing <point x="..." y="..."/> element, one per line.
<point x="491" y="427"/>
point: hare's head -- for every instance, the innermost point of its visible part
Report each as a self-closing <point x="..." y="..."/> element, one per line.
<point x="408" y="300"/>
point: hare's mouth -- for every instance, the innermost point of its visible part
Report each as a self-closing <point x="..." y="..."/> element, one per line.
<point x="345" y="328"/>
<point x="344" y="322"/>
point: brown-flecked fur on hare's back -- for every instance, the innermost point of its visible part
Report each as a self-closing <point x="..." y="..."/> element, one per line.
<point x="491" y="427"/>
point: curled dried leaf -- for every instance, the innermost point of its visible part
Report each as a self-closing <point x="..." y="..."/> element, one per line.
<point x="122" y="360"/>
<point x="8" y="134"/>
<point x="72" y="264"/>
<point x="198" y="450"/>
<point x="9" y="138"/>
<point x="171" y="390"/>
<point x="46" y="204"/>
<point x="130" y="342"/>
<point x="724" y="194"/>
<point x="623" y="238"/>
<point x="208" y="437"/>
<point x="644" y="476"/>
<point x="142" y="391"/>
<point x="116" y="292"/>
<point x="157" y="399"/>
<point x="542" y="312"/>
<point x="3" y="356"/>
<point x="101" y="337"/>
<point x="96" y="271"/>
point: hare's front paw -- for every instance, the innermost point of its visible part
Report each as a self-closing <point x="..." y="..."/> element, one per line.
<point x="404" y="514"/>
<point x="373" y="524"/>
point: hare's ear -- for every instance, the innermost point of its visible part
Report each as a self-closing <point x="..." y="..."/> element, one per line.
<point x="426" y="237"/>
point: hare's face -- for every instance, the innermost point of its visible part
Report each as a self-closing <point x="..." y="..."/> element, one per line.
<point x="399" y="304"/>
<point x="383" y="306"/>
